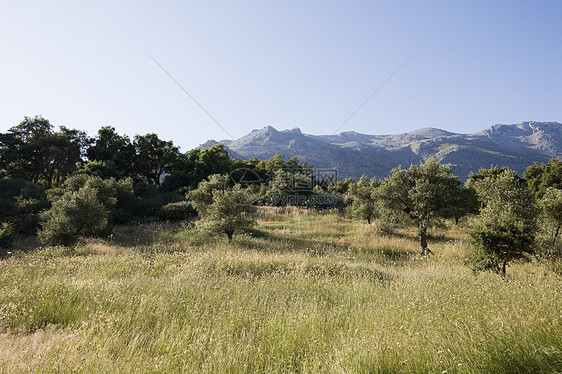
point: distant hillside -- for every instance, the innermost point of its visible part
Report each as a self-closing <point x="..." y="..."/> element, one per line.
<point x="352" y="154"/>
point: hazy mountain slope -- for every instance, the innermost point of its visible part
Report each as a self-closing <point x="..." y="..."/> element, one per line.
<point x="353" y="154"/>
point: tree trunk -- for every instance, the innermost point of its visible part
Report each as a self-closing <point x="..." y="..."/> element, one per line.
<point x="423" y="241"/>
<point x="556" y="235"/>
<point x="369" y="220"/>
<point x="504" y="265"/>
<point x="229" y="234"/>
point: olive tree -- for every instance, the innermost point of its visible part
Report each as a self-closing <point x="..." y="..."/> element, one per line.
<point x="541" y="176"/>
<point x="82" y="207"/>
<point x="551" y="204"/>
<point x="506" y="226"/>
<point x="202" y="197"/>
<point x="363" y="197"/>
<point x="423" y="193"/>
<point x="229" y="212"/>
<point x="223" y="209"/>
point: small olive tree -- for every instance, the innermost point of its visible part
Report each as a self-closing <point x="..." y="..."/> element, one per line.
<point x="82" y="207"/>
<point x="423" y="193"/>
<point x="223" y="209"/>
<point x="506" y="226"/>
<point x="362" y="193"/>
<point x="74" y="215"/>
<point x="230" y="213"/>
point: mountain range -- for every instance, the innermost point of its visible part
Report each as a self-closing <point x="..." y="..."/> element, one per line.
<point x="353" y="154"/>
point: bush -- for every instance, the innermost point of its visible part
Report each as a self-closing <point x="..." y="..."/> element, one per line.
<point x="177" y="211"/>
<point x="150" y="198"/>
<point x="128" y="205"/>
<point x="21" y="201"/>
<point x="74" y="215"/>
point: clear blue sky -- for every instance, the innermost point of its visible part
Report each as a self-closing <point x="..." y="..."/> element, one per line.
<point x="307" y="64"/>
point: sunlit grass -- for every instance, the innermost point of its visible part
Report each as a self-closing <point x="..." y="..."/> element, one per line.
<point x="305" y="292"/>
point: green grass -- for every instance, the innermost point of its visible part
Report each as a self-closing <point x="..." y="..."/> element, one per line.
<point x="303" y="293"/>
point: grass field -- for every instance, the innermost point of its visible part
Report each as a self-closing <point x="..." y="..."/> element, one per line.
<point x="305" y="292"/>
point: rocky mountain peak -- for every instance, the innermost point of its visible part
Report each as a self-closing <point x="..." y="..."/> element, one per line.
<point x="352" y="154"/>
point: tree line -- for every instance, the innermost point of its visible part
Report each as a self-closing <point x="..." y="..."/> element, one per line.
<point x="506" y="212"/>
<point x="63" y="185"/>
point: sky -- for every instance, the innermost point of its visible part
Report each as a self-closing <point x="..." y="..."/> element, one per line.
<point x="191" y="71"/>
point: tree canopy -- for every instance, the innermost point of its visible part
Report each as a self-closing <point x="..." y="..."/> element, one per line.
<point x="423" y="193"/>
<point x="506" y="226"/>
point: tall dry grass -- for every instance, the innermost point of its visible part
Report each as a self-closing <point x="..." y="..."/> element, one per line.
<point x="305" y="292"/>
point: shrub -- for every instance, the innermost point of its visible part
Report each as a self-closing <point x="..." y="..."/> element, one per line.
<point x="76" y="214"/>
<point x="150" y="199"/>
<point x="20" y="203"/>
<point x="127" y="206"/>
<point x="177" y="211"/>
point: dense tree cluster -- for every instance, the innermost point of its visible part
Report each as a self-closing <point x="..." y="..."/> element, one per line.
<point x="55" y="181"/>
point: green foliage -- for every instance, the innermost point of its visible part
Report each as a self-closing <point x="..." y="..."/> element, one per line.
<point x="289" y="188"/>
<point x="223" y="209"/>
<point x="423" y="193"/>
<point x="21" y="202"/>
<point x="150" y="199"/>
<point x="74" y="215"/>
<point x="230" y="212"/>
<point x="102" y="169"/>
<point x="202" y="197"/>
<point x="33" y="151"/>
<point x="154" y="157"/>
<point x="306" y="292"/>
<point x="202" y="163"/>
<point x="484" y="182"/>
<point x="540" y="177"/>
<point x="341" y="187"/>
<point x="127" y="206"/>
<point x="551" y="204"/>
<point x="177" y="211"/>
<point x="506" y="227"/>
<point x="463" y="203"/>
<point x="178" y="181"/>
<point x="491" y="173"/>
<point x="362" y="193"/>
<point x="83" y="207"/>
<point x="110" y="147"/>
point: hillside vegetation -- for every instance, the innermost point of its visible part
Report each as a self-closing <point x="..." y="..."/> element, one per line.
<point x="303" y="292"/>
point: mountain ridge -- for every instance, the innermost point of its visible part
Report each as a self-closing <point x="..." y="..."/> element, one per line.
<point x="353" y="154"/>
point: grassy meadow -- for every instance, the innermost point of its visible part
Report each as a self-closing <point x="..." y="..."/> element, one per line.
<point x="304" y="292"/>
